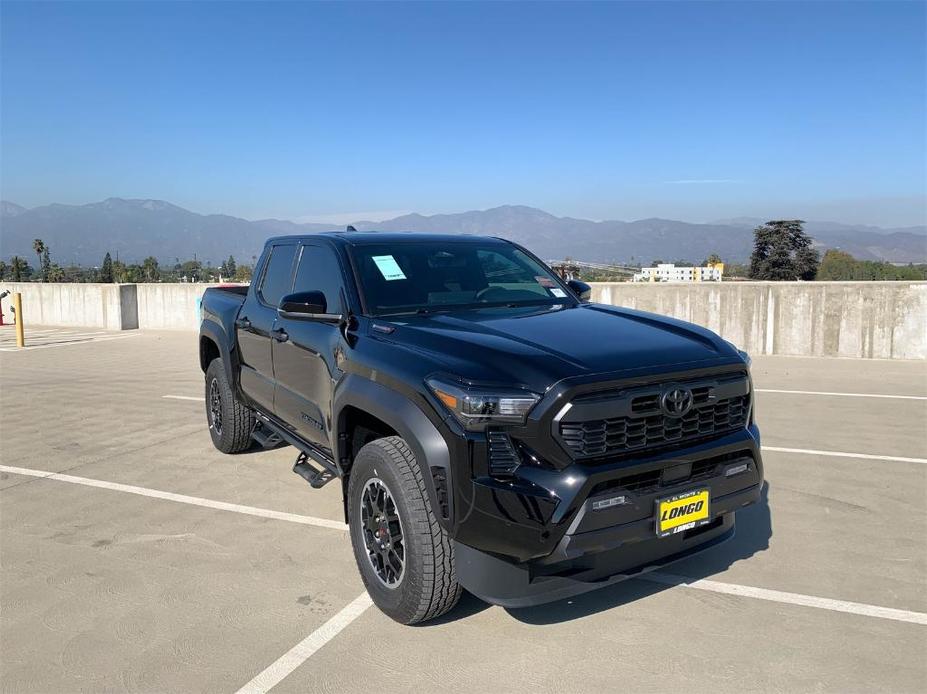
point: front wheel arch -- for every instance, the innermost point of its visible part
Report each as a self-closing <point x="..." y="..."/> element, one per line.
<point x="406" y="419"/>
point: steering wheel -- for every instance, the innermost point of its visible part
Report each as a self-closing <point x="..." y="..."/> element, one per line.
<point x="486" y="294"/>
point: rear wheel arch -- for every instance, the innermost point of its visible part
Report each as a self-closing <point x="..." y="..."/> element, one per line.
<point x="214" y="345"/>
<point x="209" y="351"/>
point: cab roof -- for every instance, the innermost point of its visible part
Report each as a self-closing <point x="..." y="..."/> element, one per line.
<point x="363" y="238"/>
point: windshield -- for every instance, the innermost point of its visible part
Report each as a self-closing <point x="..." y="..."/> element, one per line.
<point x="426" y="276"/>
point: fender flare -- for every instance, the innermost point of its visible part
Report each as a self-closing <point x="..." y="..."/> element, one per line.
<point x="409" y="422"/>
<point x="212" y="331"/>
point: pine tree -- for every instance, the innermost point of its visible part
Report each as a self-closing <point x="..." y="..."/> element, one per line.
<point x="106" y="269"/>
<point x="782" y="251"/>
<point x="19" y="268"/>
<point x="230" y="268"/>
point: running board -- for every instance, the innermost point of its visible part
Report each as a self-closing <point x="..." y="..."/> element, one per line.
<point x="315" y="477"/>
<point x="265" y="438"/>
<point x="307" y="452"/>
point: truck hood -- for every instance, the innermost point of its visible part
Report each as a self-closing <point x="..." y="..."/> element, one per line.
<point x="538" y="347"/>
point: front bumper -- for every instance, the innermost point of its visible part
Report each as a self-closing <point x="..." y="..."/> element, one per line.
<point x="542" y="537"/>
<point x="499" y="582"/>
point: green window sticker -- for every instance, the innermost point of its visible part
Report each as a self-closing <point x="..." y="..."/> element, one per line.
<point x="388" y="267"/>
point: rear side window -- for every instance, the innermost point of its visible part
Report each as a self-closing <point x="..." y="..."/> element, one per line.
<point x="319" y="271"/>
<point x="276" y="282"/>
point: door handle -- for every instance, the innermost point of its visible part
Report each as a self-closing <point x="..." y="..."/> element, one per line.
<point x="280" y="335"/>
<point x="243" y="323"/>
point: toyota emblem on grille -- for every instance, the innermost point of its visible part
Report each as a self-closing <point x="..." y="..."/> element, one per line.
<point x="676" y="401"/>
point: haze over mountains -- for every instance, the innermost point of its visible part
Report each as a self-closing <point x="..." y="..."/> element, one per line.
<point x="134" y="229"/>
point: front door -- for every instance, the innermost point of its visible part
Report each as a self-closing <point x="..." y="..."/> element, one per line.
<point x="305" y="364"/>
<point x="256" y="322"/>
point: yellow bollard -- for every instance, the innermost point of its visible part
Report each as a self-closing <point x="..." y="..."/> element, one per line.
<point x="20" y="335"/>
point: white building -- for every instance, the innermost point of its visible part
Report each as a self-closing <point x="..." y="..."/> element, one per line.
<point x="668" y="272"/>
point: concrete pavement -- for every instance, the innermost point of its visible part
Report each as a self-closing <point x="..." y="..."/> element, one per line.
<point x="104" y="590"/>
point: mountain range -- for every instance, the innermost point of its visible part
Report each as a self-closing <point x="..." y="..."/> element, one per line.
<point x="134" y="229"/>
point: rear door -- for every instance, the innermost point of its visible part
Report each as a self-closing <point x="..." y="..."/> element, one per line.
<point x="256" y="322"/>
<point x="306" y="363"/>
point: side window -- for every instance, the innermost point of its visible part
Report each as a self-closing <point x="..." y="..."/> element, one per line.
<point x="276" y="281"/>
<point x="319" y="271"/>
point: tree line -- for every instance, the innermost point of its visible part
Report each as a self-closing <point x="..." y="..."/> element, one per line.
<point x="782" y="251"/>
<point x="18" y="269"/>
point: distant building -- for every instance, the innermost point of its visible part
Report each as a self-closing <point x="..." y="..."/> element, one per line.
<point x="668" y="272"/>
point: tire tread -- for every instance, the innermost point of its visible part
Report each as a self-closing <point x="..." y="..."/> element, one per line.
<point x="439" y="590"/>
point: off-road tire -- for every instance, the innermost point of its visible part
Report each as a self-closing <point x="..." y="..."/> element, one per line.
<point x="233" y="434"/>
<point x="428" y="587"/>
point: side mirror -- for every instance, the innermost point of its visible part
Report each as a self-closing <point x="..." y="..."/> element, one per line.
<point x="581" y="289"/>
<point x="306" y="306"/>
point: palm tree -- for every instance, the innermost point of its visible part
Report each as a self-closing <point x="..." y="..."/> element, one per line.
<point x="150" y="266"/>
<point x="39" y="247"/>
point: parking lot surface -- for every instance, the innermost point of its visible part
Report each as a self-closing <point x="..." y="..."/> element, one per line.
<point x="150" y="562"/>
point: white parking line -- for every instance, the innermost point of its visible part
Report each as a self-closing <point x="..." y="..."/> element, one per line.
<point x="180" y="498"/>
<point x="714" y="586"/>
<point x="64" y="343"/>
<point x="839" y="454"/>
<point x="184" y="397"/>
<point x="857" y="608"/>
<point x="303" y="650"/>
<point x="845" y="395"/>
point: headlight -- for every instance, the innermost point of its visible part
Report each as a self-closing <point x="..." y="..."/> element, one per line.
<point x="476" y="406"/>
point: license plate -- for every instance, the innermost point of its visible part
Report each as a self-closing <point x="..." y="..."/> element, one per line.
<point x="681" y="512"/>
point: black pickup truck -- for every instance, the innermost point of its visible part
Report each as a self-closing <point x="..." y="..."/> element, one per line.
<point x="491" y="428"/>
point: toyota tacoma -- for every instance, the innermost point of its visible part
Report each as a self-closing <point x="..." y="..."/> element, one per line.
<point x="491" y="428"/>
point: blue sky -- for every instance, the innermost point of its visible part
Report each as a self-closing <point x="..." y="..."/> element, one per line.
<point x="693" y="111"/>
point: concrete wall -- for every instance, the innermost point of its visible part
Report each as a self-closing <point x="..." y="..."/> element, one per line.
<point x="107" y="306"/>
<point x="170" y="306"/>
<point x="845" y="319"/>
<point x="836" y="319"/>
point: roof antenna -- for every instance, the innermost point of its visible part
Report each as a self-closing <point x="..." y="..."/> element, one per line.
<point x="350" y="227"/>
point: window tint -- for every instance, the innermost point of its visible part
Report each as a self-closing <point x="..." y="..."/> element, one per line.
<point x="319" y="271"/>
<point x="277" y="277"/>
<point x="518" y="269"/>
<point x="412" y="276"/>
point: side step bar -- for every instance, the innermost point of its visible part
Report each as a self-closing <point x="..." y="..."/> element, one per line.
<point x="265" y="438"/>
<point x="270" y="431"/>
<point x="315" y="477"/>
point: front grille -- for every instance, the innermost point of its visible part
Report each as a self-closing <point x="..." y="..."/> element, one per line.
<point x="719" y="406"/>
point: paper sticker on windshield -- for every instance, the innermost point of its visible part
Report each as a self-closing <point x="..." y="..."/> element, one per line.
<point x="388" y="267"/>
<point x="546" y="282"/>
<point x="559" y="293"/>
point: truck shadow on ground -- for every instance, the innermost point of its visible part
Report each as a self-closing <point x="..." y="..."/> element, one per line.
<point x="754" y="530"/>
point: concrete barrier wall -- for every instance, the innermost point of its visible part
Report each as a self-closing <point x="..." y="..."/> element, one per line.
<point x="844" y="319"/>
<point x="107" y="306"/>
<point x="885" y="320"/>
<point x="170" y="306"/>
